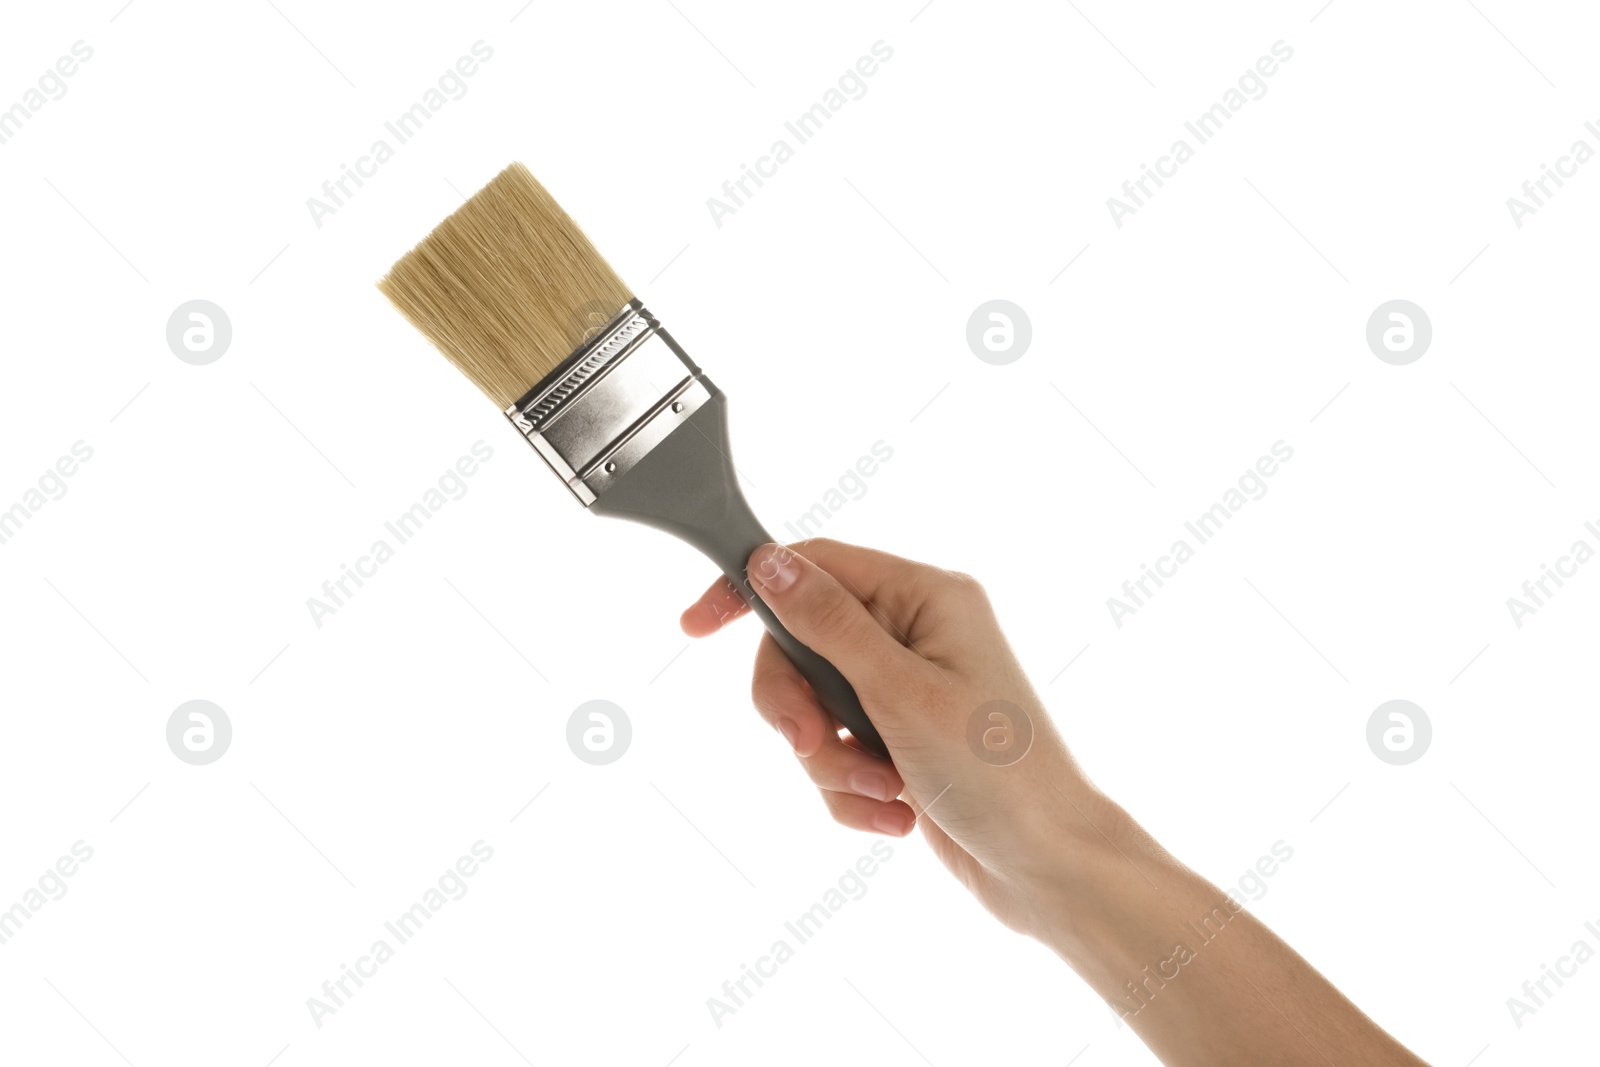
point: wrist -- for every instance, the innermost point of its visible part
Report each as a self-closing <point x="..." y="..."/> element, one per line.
<point x="1096" y="874"/>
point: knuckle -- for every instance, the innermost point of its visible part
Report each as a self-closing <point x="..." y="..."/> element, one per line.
<point x="832" y="610"/>
<point x="773" y="692"/>
<point x="824" y="543"/>
<point x="966" y="587"/>
<point x="835" y="808"/>
<point x="761" y="686"/>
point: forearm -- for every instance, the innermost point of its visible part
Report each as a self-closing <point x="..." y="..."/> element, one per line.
<point x="1201" y="980"/>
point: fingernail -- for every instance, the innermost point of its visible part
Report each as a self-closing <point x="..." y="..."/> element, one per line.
<point x="790" y="732"/>
<point x="870" y="785"/>
<point x="777" y="569"/>
<point x="892" y="822"/>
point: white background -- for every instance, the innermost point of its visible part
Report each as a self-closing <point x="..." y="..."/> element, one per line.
<point x="1228" y="314"/>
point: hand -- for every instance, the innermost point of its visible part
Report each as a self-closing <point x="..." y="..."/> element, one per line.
<point x="923" y="649"/>
<point x="1023" y="828"/>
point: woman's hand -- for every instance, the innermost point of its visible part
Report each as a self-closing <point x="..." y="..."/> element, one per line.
<point x="975" y="757"/>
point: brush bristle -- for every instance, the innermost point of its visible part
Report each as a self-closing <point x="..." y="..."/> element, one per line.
<point x="507" y="287"/>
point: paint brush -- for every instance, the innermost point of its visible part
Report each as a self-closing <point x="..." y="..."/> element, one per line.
<point x="514" y="294"/>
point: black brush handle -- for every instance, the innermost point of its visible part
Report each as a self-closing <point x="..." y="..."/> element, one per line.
<point x="687" y="486"/>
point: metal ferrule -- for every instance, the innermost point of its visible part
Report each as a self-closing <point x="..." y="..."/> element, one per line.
<point x="609" y="403"/>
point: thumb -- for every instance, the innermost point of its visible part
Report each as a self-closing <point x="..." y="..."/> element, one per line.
<point x="828" y="618"/>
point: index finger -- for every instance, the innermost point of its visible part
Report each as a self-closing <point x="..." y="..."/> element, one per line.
<point x="718" y="605"/>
